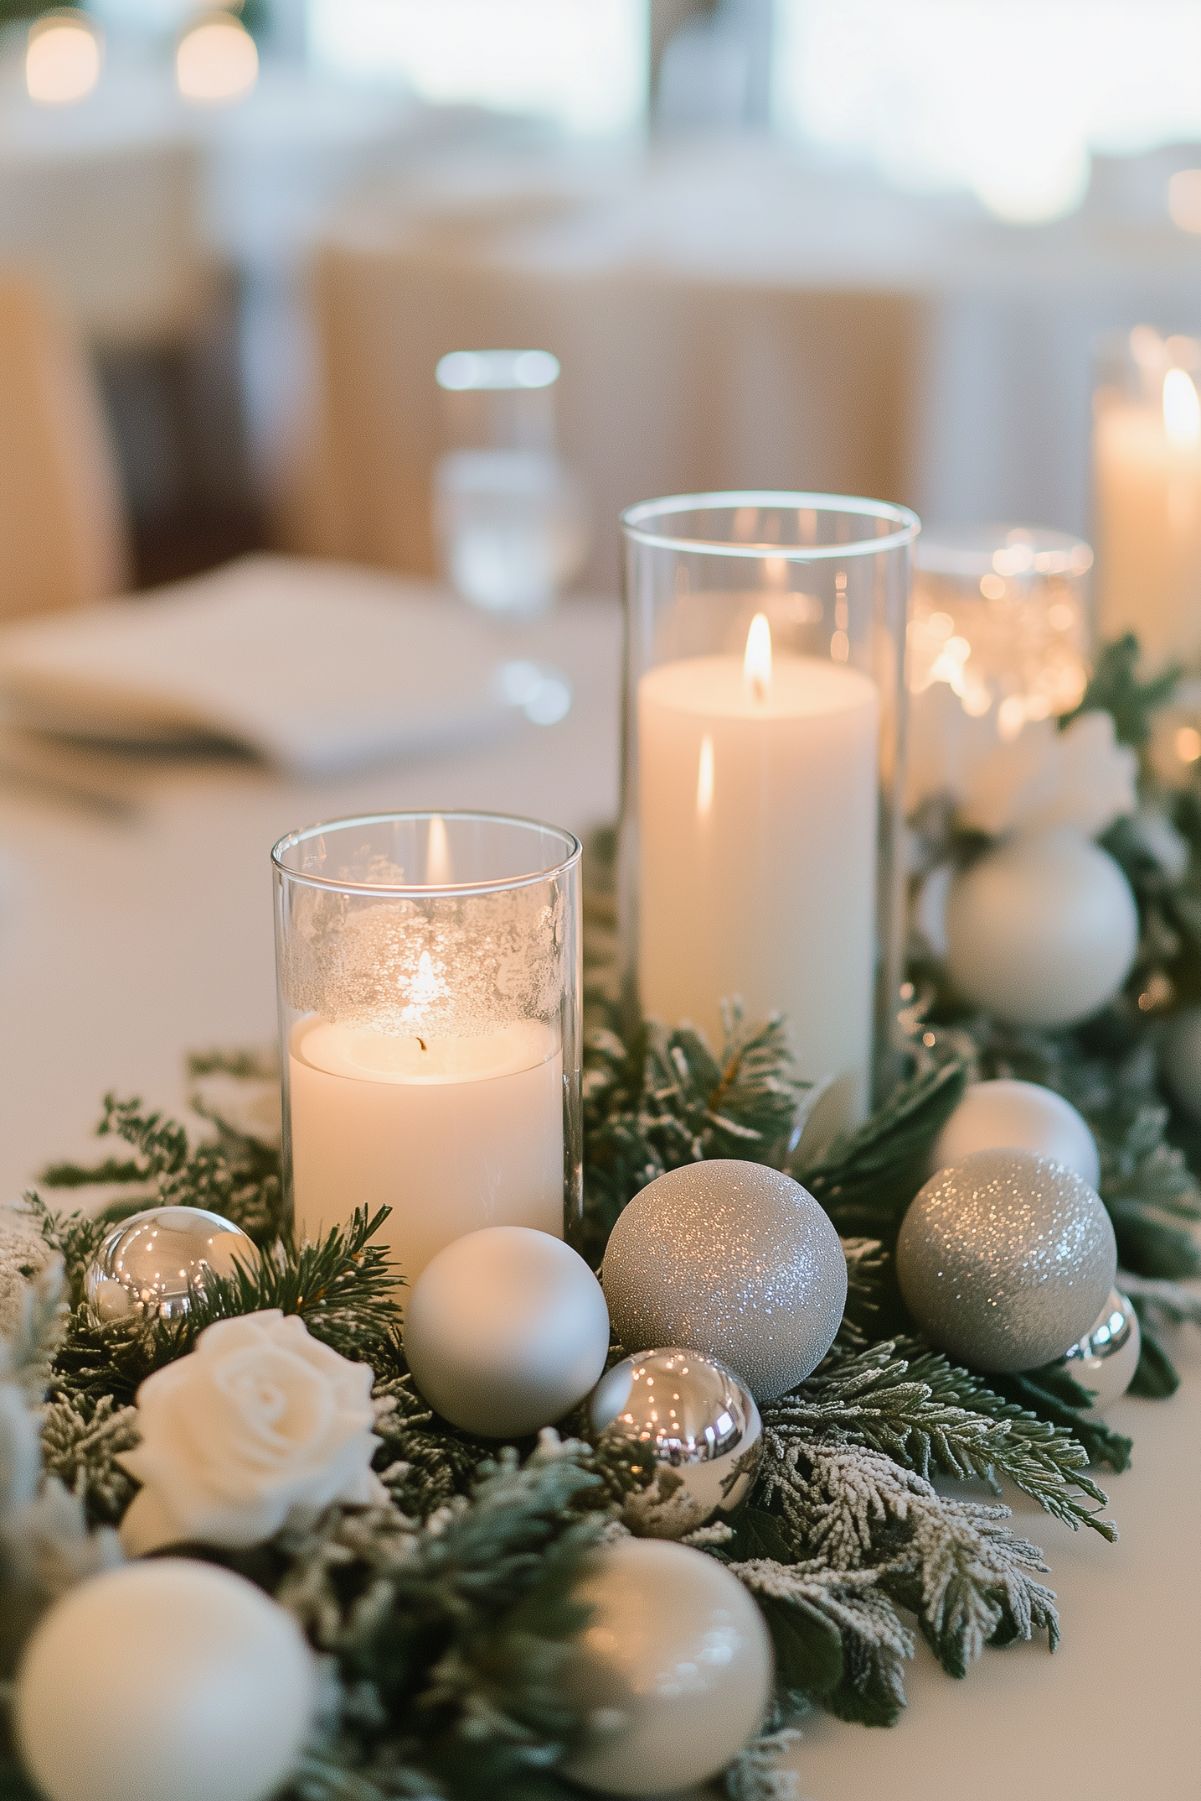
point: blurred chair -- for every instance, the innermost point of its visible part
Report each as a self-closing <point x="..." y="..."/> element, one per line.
<point x="62" y="523"/>
<point x="673" y="381"/>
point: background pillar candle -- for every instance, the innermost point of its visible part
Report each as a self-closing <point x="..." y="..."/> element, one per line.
<point x="1147" y="495"/>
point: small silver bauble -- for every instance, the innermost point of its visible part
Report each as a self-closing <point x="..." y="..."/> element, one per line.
<point x="701" y="1425"/>
<point x="1105" y="1358"/>
<point x="1002" y="1256"/>
<point x="732" y="1258"/>
<point x="152" y="1265"/>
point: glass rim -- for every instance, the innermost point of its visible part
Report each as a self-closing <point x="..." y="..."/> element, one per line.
<point x="497" y="371"/>
<point x="636" y="524"/>
<point x="973" y="550"/>
<point x="572" y="848"/>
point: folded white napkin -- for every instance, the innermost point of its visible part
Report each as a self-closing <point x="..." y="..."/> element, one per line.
<point x="314" y="666"/>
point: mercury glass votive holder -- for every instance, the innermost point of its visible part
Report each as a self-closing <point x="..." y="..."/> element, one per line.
<point x="428" y="970"/>
<point x="764" y="745"/>
<point x="1000" y="631"/>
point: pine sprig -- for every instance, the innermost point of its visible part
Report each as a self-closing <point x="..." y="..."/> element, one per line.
<point x="666" y="1099"/>
<point x="867" y="1180"/>
<point x="233" y="1175"/>
<point x="342" y="1286"/>
<point x="1117" y="687"/>
<point x="453" y="1638"/>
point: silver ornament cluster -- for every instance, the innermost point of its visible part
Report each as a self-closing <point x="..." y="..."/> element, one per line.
<point x="701" y="1426"/>
<point x="1004" y="1256"/>
<point x="1103" y="1360"/>
<point x="154" y="1264"/>
<point x="734" y="1259"/>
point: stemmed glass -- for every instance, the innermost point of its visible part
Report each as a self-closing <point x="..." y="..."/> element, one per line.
<point x="508" y="516"/>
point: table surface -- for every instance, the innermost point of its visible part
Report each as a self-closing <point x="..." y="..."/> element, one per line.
<point x="124" y="944"/>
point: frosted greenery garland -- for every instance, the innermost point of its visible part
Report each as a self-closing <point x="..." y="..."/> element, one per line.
<point x="449" y="1682"/>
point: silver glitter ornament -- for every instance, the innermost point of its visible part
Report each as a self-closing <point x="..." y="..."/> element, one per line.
<point x="1003" y="1256"/>
<point x="733" y="1259"/>
<point x="152" y="1265"/>
<point x="1105" y="1358"/>
<point x="702" y="1427"/>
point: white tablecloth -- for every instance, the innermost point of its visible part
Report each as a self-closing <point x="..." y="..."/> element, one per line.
<point x="726" y="316"/>
<point x="124" y="945"/>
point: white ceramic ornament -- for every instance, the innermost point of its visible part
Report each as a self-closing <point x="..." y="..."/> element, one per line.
<point x="506" y="1330"/>
<point x="1018" y="1116"/>
<point x="1104" y="1360"/>
<point x="168" y="1678"/>
<point x="1041" y="931"/>
<point x="1181" y="1061"/>
<point x="734" y="1259"/>
<point x="675" y="1667"/>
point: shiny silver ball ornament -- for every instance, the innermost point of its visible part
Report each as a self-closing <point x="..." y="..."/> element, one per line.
<point x="733" y="1259"/>
<point x="1105" y="1358"/>
<point x="701" y="1426"/>
<point x="154" y="1264"/>
<point x="1002" y="1256"/>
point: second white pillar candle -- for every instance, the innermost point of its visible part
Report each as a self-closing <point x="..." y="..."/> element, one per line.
<point x="758" y="797"/>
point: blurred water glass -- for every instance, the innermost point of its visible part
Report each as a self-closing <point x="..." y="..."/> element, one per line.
<point x="508" y="516"/>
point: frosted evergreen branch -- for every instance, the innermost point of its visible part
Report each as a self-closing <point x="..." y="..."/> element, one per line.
<point x="82" y="1438"/>
<point x="920" y="1410"/>
<point x="970" y="1580"/>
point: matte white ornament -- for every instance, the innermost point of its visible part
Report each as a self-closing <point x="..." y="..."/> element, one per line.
<point x="168" y="1678"/>
<point x="1105" y="1358"/>
<point x="1041" y="931"/>
<point x="1181" y="1061"/>
<point x="506" y="1330"/>
<point x="675" y="1668"/>
<point x="734" y="1259"/>
<point x="1018" y="1116"/>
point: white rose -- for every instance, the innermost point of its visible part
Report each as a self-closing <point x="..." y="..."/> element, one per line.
<point x="258" y="1420"/>
<point x="1044" y="778"/>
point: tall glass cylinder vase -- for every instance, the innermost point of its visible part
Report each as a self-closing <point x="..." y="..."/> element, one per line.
<point x="1147" y="493"/>
<point x="764" y="749"/>
<point x="429" y="998"/>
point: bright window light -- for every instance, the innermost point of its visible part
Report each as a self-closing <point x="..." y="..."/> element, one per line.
<point x="580" y="62"/>
<point x="1006" y="100"/>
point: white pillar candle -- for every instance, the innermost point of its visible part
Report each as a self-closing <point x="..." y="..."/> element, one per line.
<point x="758" y="786"/>
<point x="452" y="1133"/>
<point x="1148" y="499"/>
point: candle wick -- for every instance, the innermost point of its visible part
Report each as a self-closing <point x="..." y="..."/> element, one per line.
<point x="422" y="1043"/>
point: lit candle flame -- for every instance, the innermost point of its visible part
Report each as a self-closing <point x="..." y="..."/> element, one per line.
<point x="1181" y="410"/>
<point x="437" y="859"/>
<point x="704" y="779"/>
<point x="216" y="61"/>
<point x="427" y="986"/>
<point x="62" y="61"/>
<point x="756" y="664"/>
